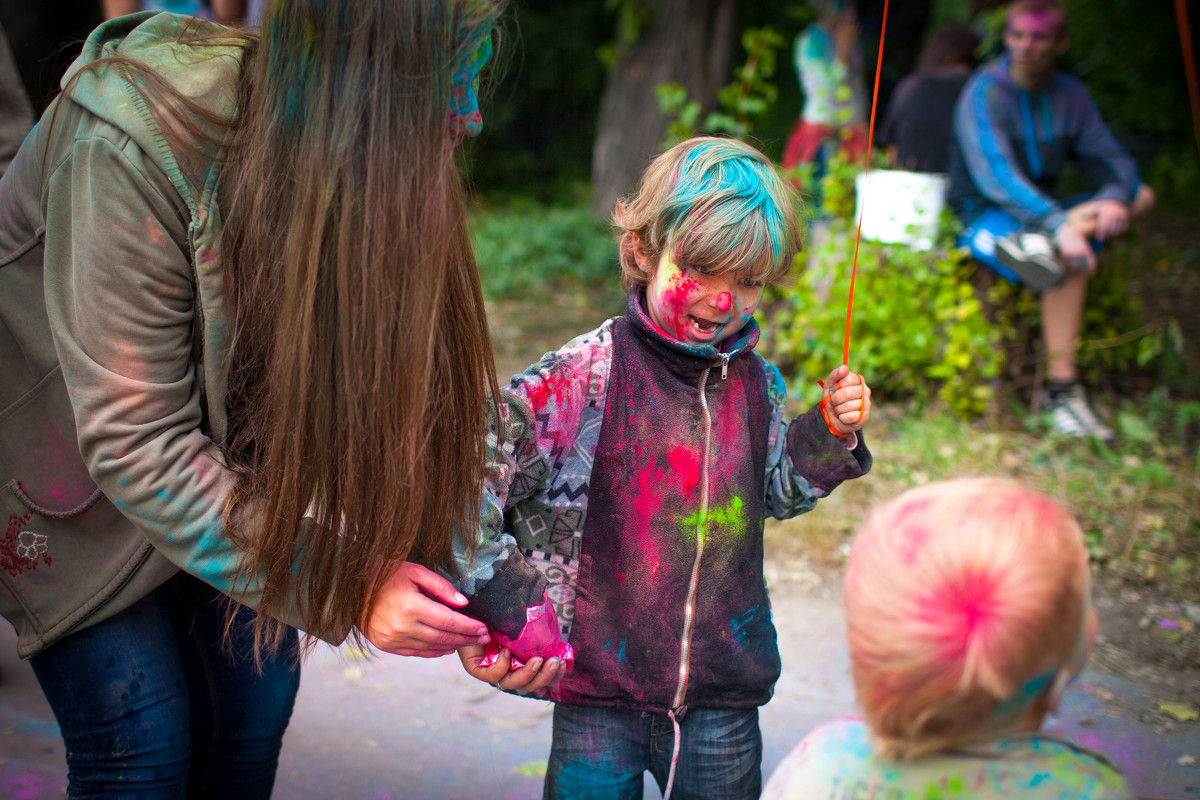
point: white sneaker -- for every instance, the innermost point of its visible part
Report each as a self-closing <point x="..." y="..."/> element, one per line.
<point x="1031" y="255"/>
<point x="1071" y="415"/>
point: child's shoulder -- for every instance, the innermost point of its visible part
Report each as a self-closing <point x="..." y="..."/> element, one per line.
<point x="821" y="760"/>
<point x="840" y="753"/>
<point x="577" y="369"/>
<point x="776" y="387"/>
<point x="1064" y="761"/>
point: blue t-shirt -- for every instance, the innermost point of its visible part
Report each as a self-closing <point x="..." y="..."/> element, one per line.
<point x="836" y="762"/>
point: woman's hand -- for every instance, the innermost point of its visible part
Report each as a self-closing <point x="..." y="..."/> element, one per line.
<point x="849" y="405"/>
<point x="411" y="616"/>
<point x="536" y="674"/>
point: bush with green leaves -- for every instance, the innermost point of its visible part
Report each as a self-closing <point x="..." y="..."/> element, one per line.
<point x="922" y="330"/>
<point x="741" y="103"/>
<point x="526" y="248"/>
<point x="918" y="329"/>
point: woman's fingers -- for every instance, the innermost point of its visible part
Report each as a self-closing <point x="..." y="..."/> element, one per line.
<point x="433" y="585"/>
<point x="405" y="621"/>
<point x="426" y="641"/>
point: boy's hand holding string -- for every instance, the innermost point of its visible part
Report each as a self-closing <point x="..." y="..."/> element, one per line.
<point x="846" y="404"/>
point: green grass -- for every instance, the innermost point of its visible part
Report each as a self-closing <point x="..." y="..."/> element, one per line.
<point x="1138" y="501"/>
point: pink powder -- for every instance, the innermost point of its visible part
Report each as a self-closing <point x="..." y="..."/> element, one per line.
<point x="685" y="467"/>
<point x="556" y="385"/>
<point x="911" y="529"/>
<point x="958" y="609"/>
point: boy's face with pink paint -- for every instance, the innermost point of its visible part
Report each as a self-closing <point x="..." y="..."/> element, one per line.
<point x="1033" y="42"/>
<point x="696" y="306"/>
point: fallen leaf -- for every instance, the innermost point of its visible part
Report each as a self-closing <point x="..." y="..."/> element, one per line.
<point x="1179" y="711"/>
<point x="1102" y="694"/>
<point x="355" y="653"/>
<point x="537" y="769"/>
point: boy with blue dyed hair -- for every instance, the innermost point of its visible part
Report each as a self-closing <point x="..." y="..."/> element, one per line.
<point x="637" y="466"/>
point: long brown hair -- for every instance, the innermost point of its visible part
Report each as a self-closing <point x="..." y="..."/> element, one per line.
<point x="362" y="363"/>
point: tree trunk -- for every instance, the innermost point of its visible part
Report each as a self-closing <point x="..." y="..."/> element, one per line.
<point x="689" y="42"/>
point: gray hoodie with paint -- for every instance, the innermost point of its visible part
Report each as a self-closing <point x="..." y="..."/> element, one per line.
<point x="114" y="343"/>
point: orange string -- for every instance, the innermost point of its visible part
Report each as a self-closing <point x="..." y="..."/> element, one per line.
<point x="863" y="203"/>
<point x="1189" y="66"/>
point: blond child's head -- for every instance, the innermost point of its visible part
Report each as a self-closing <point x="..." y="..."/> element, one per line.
<point x="711" y="201"/>
<point x="968" y="613"/>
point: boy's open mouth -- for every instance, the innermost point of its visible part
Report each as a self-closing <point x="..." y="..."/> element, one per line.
<point x="704" y="325"/>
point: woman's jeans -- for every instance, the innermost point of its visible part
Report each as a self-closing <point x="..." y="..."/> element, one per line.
<point x="601" y="753"/>
<point x="153" y="703"/>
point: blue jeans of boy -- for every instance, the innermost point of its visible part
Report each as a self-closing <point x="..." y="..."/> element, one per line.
<point x="152" y="704"/>
<point x="602" y="753"/>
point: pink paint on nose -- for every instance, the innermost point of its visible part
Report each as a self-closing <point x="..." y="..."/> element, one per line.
<point x="723" y="301"/>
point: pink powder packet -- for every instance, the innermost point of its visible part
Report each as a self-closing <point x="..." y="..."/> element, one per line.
<point x="539" y="637"/>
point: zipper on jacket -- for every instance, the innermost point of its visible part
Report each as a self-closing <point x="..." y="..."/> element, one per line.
<point x="724" y="367"/>
<point x="689" y="606"/>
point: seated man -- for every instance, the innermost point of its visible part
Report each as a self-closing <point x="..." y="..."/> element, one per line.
<point x="1016" y="124"/>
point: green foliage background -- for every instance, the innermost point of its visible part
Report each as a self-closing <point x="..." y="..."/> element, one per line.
<point x="540" y="118"/>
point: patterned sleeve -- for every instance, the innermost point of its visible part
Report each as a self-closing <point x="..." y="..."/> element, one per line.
<point x="540" y="412"/>
<point x="804" y="460"/>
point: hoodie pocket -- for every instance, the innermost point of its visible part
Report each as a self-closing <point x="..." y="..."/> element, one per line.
<point x="65" y="549"/>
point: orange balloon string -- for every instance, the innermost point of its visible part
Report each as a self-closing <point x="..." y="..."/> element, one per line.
<point x="863" y="200"/>
<point x="1189" y="66"/>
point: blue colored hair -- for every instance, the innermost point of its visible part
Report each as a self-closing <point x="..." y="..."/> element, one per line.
<point x="711" y="202"/>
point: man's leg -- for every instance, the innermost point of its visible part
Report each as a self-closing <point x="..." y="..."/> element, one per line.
<point x="1062" y="318"/>
<point x="997" y="240"/>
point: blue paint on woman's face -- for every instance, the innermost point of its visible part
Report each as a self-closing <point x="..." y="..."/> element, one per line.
<point x="465" y="117"/>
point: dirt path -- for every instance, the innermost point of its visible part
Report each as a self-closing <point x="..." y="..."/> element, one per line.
<point x="414" y="729"/>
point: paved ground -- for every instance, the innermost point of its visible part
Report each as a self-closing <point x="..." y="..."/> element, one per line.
<point x="412" y="729"/>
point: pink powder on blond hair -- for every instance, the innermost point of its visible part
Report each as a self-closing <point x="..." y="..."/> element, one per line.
<point x="956" y="594"/>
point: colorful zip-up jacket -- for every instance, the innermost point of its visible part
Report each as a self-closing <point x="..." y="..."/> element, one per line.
<point x="633" y="485"/>
<point x="1011" y="145"/>
<point x="114" y="337"/>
